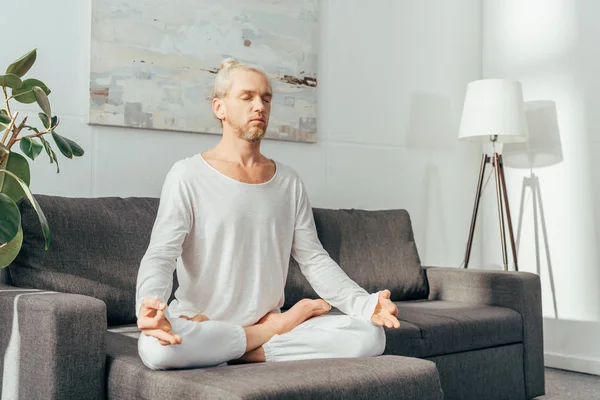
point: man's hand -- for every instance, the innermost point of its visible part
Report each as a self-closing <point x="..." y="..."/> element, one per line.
<point x="153" y="322"/>
<point x="386" y="311"/>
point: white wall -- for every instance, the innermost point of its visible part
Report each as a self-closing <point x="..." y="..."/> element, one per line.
<point x="551" y="46"/>
<point x="391" y="83"/>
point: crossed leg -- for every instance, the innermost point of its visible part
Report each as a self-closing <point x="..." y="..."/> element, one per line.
<point x="327" y="336"/>
<point x="279" y="326"/>
<point x="211" y="343"/>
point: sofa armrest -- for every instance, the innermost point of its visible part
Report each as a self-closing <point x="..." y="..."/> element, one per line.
<point x="52" y="345"/>
<point x="520" y="291"/>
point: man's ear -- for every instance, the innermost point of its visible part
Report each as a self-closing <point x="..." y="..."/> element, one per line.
<point x="218" y="108"/>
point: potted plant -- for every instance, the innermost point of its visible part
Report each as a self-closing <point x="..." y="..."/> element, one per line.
<point x="14" y="167"/>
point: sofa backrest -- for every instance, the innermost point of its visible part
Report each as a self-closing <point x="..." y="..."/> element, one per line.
<point x="4" y="277"/>
<point x="98" y="243"/>
<point x="376" y="249"/>
<point x="96" y="248"/>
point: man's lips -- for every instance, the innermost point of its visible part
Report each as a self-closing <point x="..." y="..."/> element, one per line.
<point x="258" y="120"/>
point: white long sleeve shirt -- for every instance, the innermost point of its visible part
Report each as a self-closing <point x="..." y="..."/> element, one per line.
<point x="234" y="240"/>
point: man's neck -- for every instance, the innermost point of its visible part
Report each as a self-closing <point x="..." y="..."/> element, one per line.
<point x="237" y="151"/>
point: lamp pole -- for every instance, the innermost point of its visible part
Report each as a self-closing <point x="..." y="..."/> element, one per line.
<point x="503" y="206"/>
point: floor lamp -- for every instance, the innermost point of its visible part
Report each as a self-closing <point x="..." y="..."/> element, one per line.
<point x="493" y="113"/>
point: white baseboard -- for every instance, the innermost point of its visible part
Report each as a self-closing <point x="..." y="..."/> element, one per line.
<point x="571" y="363"/>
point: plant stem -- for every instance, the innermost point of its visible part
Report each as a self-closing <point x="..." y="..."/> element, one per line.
<point x="6" y="101"/>
<point x="16" y="132"/>
<point x="29" y="136"/>
<point x="10" y="126"/>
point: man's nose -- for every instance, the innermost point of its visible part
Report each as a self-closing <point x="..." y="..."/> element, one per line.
<point x="259" y="105"/>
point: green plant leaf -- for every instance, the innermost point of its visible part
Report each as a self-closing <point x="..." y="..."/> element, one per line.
<point x="25" y="94"/>
<point x="55" y="121"/>
<point x="4" y="117"/>
<point x="30" y="147"/>
<point x="45" y="120"/>
<point x="10" y="80"/>
<point x="36" y="206"/>
<point x="32" y="128"/>
<point x="10" y="219"/>
<point x="4" y="121"/>
<point x="10" y="250"/>
<point x="42" y="100"/>
<point x="23" y="64"/>
<point x="75" y="148"/>
<point x="62" y="145"/>
<point x="50" y="153"/>
<point x="18" y="165"/>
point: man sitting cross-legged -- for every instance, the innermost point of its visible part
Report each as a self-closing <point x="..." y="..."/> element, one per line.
<point x="234" y="217"/>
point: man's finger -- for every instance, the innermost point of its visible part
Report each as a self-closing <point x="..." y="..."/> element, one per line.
<point x="389" y="321"/>
<point x="395" y="322"/>
<point x="162" y="321"/>
<point x="147" y="323"/>
<point x="153" y="303"/>
<point x="185" y="317"/>
<point x="392" y="308"/>
<point x="386" y="294"/>
<point x="376" y="320"/>
<point x="159" y="321"/>
<point x="162" y="335"/>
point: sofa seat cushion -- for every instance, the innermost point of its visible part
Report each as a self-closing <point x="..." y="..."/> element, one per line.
<point x="129" y="330"/>
<point x="384" y="377"/>
<point x="432" y="328"/>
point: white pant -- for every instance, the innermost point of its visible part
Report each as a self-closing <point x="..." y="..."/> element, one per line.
<point x="212" y="343"/>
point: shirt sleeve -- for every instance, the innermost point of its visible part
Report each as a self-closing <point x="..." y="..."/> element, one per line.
<point x="325" y="276"/>
<point x="173" y="223"/>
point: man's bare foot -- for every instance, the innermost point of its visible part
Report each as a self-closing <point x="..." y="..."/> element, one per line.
<point x="196" y="318"/>
<point x="254" y="356"/>
<point x="300" y="312"/>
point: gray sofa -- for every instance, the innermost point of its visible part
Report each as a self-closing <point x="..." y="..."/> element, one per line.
<point x="69" y="320"/>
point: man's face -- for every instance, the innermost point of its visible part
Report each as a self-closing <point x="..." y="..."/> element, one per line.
<point x="247" y="105"/>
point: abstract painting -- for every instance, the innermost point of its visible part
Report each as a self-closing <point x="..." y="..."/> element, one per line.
<point x="153" y="63"/>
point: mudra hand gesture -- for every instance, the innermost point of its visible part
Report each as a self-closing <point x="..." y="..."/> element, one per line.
<point x="153" y="322"/>
<point x="386" y="311"/>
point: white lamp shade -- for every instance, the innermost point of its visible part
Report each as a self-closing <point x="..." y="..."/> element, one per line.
<point x="494" y="107"/>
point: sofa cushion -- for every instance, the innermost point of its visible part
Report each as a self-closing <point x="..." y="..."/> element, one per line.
<point x="375" y="248"/>
<point x="96" y="248"/>
<point x="432" y="328"/>
<point x="382" y="377"/>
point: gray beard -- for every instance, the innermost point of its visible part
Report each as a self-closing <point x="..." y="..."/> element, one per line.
<point x="252" y="135"/>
